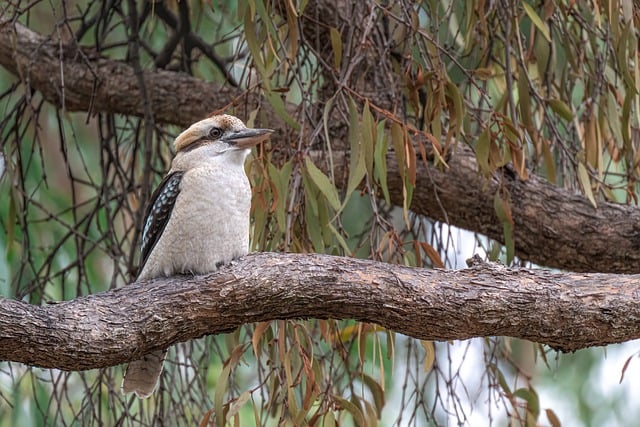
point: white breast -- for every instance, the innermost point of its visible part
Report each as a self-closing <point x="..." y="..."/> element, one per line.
<point x="209" y="224"/>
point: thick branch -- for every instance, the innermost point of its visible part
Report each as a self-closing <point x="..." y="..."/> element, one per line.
<point x="566" y="311"/>
<point x="553" y="227"/>
<point x="84" y="81"/>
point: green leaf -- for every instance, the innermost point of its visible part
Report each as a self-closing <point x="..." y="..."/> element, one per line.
<point x="453" y="93"/>
<point x="341" y="241"/>
<point x="397" y="141"/>
<point x="336" y="45"/>
<point x="280" y="179"/>
<point x="314" y="230"/>
<point x="329" y="420"/>
<point x="219" y="393"/>
<point x="358" y="416"/>
<point x="368" y="137"/>
<point x="524" y="100"/>
<point x="252" y="42"/>
<point x="325" y="118"/>
<point x="391" y="343"/>
<point x="376" y="392"/>
<point x="239" y="403"/>
<point x="323" y="183"/>
<point x="357" y="168"/>
<point x="549" y="162"/>
<point x="501" y="380"/>
<point x="311" y="196"/>
<point x="277" y="103"/>
<point x="537" y="21"/>
<point x="561" y="109"/>
<point x="533" y="402"/>
<point x="380" y="162"/>
<point x="583" y="177"/>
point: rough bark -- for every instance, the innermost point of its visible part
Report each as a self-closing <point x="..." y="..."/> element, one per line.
<point x="553" y="227"/>
<point x="80" y="80"/>
<point x="567" y="312"/>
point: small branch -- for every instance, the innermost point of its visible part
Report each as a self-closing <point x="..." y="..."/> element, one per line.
<point x="565" y="311"/>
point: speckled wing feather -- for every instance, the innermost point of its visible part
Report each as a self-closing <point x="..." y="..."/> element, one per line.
<point x="158" y="213"/>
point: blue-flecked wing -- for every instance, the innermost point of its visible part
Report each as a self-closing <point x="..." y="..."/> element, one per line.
<point x="158" y="213"/>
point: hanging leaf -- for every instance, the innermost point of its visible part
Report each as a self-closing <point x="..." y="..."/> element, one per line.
<point x="336" y="45"/>
<point x="355" y="411"/>
<point x="219" y="393"/>
<point x="279" y="180"/>
<point x="238" y="403"/>
<point x="624" y="368"/>
<point x="501" y="380"/>
<point x="324" y="185"/>
<point x="457" y="115"/>
<point x="252" y="42"/>
<point x="561" y="109"/>
<point x="276" y="101"/>
<point x="341" y="241"/>
<point x="537" y="21"/>
<point x="292" y="27"/>
<point x="430" y="355"/>
<point x="314" y="232"/>
<point x="483" y="73"/>
<point x="524" y="100"/>
<point x="329" y="420"/>
<point x="258" y="333"/>
<point x="533" y="401"/>
<point x="380" y="163"/>
<point x="376" y="391"/>
<point x="397" y="141"/>
<point x="549" y="162"/>
<point x="553" y="418"/>
<point x="433" y="255"/>
<point x="585" y="182"/>
<point x="357" y="169"/>
<point x="368" y="137"/>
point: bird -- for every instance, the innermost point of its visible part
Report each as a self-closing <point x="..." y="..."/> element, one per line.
<point x="197" y="218"/>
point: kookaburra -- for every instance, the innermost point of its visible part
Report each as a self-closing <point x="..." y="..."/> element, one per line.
<point x="198" y="218"/>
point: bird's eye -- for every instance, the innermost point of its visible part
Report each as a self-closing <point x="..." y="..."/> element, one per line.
<point x="215" y="133"/>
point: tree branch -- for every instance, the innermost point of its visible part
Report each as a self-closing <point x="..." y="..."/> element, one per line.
<point x="553" y="227"/>
<point x="565" y="311"/>
<point x="92" y="83"/>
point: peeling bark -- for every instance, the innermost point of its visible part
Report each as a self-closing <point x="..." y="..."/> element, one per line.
<point x="565" y="311"/>
<point x="553" y="227"/>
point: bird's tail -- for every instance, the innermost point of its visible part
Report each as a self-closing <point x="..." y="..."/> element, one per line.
<point x="141" y="376"/>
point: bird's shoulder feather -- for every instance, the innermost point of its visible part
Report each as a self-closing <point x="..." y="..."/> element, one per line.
<point x="158" y="212"/>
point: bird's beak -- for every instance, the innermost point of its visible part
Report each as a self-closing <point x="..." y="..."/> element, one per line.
<point x="247" y="138"/>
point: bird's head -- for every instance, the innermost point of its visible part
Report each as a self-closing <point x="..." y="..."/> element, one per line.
<point x="222" y="137"/>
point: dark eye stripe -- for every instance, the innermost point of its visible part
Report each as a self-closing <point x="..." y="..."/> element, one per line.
<point x="195" y="144"/>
